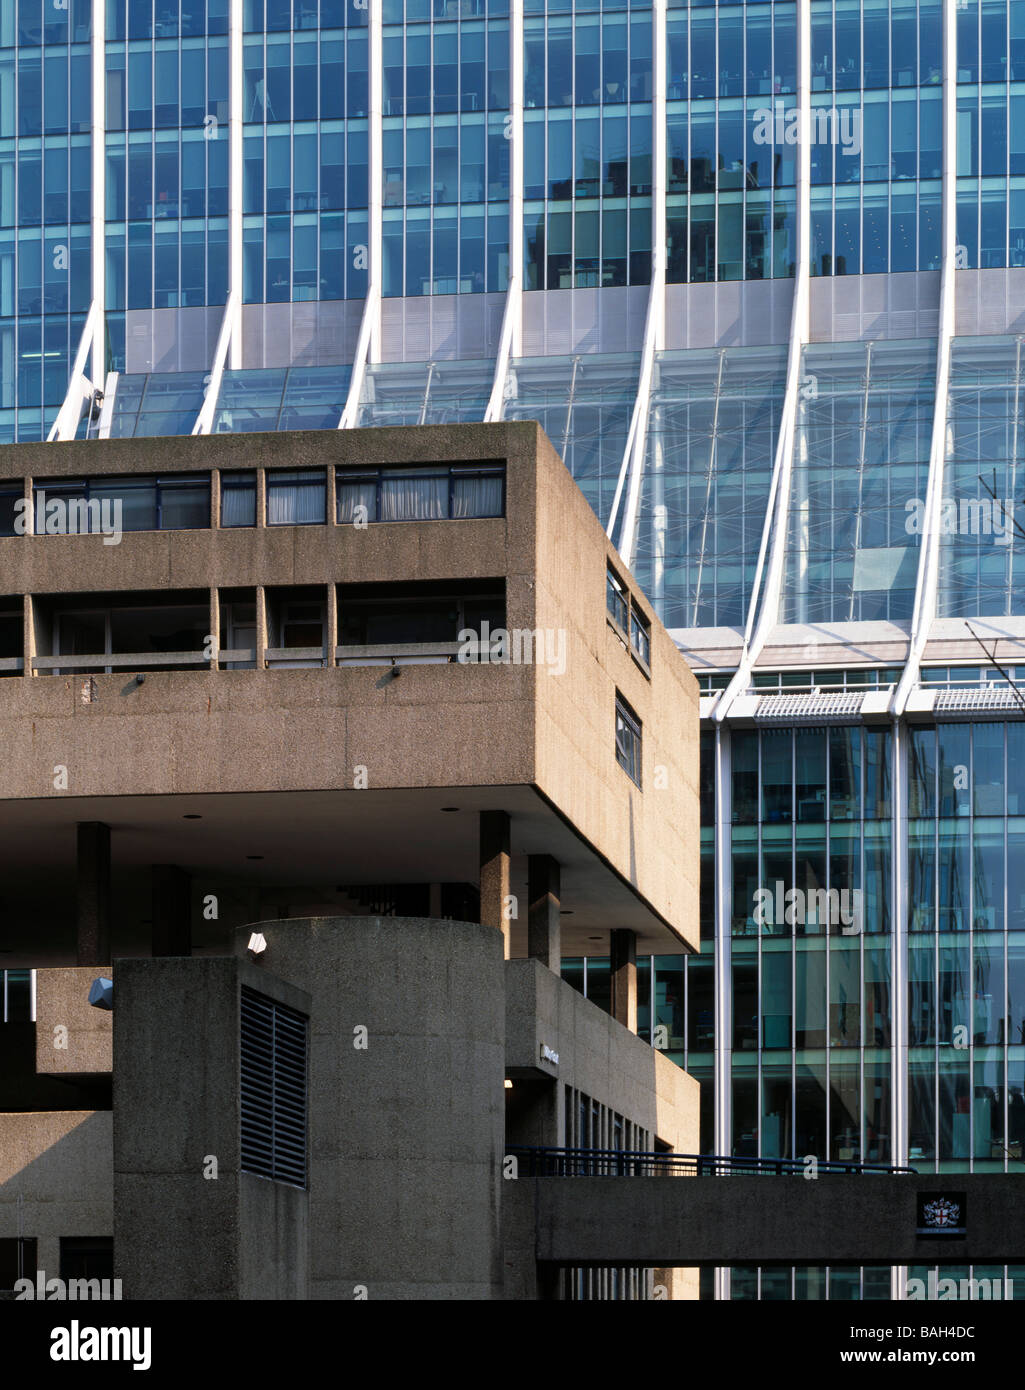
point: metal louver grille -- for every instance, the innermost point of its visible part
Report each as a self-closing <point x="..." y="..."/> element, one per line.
<point x="273" y="1085"/>
<point x="835" y="704"/>
<point x="965" y="700"/>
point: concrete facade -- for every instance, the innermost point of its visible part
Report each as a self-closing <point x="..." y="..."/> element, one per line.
<point x="406" y="1123"/>
<point x="416" y="1024"/>
<point x="188" y="1222"/>
<point x="158" y="817"/>
<point x="55" y="1178"/>
<point x="516" y="736"/>
<point x="597" y="1056"/>
<point x="72" y="1037"/>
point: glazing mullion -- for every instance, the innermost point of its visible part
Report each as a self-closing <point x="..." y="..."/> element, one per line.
<point x="792" y="936"/>
<point x="936" y="952"/>
<point x="1005" y="991"/>
<point x="970" y="1023"/>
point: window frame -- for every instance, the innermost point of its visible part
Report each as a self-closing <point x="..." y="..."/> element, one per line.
<point x="631" y="765"/>
<point x="75" y="489"/>
<point x="639" y="624"/>
<point x="453" y="471"/>
<point x="274" y="474"/>
<point x="617" y="599"/>
<point x="238" y="480"/>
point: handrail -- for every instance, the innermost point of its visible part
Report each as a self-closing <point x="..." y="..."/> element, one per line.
<point x="128" y="660"/>
<point x="621" y="1163"/>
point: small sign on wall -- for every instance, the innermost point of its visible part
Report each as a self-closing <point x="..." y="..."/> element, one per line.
<point x="942" y="1214"/>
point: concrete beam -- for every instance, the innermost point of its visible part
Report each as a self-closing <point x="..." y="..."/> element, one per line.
<point x="494" y="872"/>
<point x="623" y="976"/>
<point x="93" y="898"/>
<point x="544" y="903"/>
<point x="867" y="1219"/>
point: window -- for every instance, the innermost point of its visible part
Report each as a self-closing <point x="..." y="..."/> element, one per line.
<point x="238" y="499"/>
<point x="88" y="506"/>
<point x="273" y="1089"/>
<point x="421" y="494"/>
<point x="628" y="740"/>
<point x="297" y="499"/>
<point x="17" y="1000"/>
<point x="149" y="625"/>
<point x="389" y="614"/>
<point x="640" y="636"/>
<point x="616" y="600"/>
<point x="11" y="630"/>
<point x="297" y="622"/>
<point x="9" y="497"/>
<point x="238" y="632"/>
<point x="86" y="1257"/>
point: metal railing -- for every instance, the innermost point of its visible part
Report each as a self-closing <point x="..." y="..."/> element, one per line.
<point x="616" y="1163"/>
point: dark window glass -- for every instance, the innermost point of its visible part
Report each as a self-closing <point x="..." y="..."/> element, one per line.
<point x="380" y="615"/>
<point x="134" y="504"/>
<point x="640" y="635"/>
<point x="615" y="599"/>
<point x="9" y="498"/>
<point x="628" y="740"/>
<point x="158" y="629"/>
<point x="16" y="994"/>
<point x="87" y="1257"/>
<point x="184" y="504"/>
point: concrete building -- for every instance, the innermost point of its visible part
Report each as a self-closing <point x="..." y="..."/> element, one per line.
<point x="757" y="269"/>
<point x="414" y="726"/>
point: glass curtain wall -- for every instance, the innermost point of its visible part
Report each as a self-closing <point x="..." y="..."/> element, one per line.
<point x="982" y="563"/>
<point x="45" y="193"/>
<point x="731" y="205"/>
<point x="876" y="136"/>
<point x="861" y="462"/>
<point x="446" y="150"/>
<point x="990" y="134"/>
<point x="712" y="428"/>
<point x="584" y="405"/>
<point x="966" y="919"/>
<point x="810" y="856"/>
<point x="587" y="144"/>
<point x="305" y="151"/>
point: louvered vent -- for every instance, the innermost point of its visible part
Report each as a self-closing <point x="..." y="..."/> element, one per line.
<point x="958" y="701"/>
<point x="273" y="1090"/>
<point x="811" y="705"/>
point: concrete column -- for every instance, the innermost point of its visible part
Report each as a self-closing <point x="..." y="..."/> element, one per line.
<point x="544" y="901"/>
<point x="261" y="643"/>
<point x="494" y="872"/>
<point x="623" y="973"/>
<point x="331" y="611"/>
<point x="172" y="911"/>
<point x="93" y="916"/>
<point x="214" y="629"/>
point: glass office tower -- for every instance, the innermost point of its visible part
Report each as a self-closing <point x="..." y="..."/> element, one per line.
<point x="757" y="268"/>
